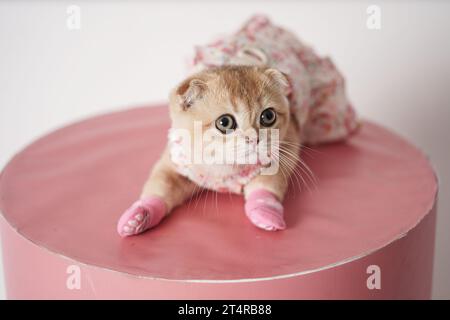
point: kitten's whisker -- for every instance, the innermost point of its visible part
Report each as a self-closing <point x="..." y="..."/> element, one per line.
<point x="284" y="176"/>
<point x="197" y="198"/>
<point x="302" y="166"/>
<point x="305" y="149"/>
<point x="292" y="174"/>
<point x="192" y="195"/>
<point x="306" y="169"/>
<point x="204" y="203"/>
<point x="296" y="161"/>
<point x="301" y="145"/>
<point x="284" y="164"/>
<point x="202" y="189"/>
<point x="311" y="174"/>
<point x="293" y="171"/>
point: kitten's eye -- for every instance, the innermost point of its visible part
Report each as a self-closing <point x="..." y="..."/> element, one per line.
<point x="268" y="117"/>
<point x="225" y="122"/>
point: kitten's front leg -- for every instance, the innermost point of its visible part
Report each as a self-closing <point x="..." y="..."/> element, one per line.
<point x="264" y="194"/>
<point x="164" y="190"/>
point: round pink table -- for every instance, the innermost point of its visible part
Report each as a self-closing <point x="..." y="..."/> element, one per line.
<point x="366" y="230"/>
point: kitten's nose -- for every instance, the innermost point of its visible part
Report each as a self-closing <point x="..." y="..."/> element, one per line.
<point x="251" y="140"/>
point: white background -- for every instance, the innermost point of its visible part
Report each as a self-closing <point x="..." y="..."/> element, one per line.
<point x="133" y="53"/>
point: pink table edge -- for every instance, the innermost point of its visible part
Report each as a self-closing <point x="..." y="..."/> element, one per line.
<point x="349" y="276"/>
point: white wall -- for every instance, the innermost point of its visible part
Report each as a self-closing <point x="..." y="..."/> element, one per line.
<point x="133" y="53"/>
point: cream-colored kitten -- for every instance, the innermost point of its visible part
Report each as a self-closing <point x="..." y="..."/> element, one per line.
<point x="235" y="109"/>
<point x="237" y="124"/>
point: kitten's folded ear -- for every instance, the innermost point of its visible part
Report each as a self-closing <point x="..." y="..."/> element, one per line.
<point x="190" y="90"/>
<point x="280" y="79"/>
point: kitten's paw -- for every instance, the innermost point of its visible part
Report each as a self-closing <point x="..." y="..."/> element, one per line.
<point x="141" y="216"/>
<point x="264" y="210"/>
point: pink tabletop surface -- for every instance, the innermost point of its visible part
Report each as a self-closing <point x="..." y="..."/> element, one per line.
<point x="66" y="191"/>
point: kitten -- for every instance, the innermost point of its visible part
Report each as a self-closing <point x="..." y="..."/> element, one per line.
<point x="254" y="98"/>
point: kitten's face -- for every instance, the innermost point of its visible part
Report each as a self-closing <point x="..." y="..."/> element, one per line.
<point x="233" y="106"/>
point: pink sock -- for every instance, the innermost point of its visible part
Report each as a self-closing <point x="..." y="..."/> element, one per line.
<point x="142" y="215"/>
<point x="264" y="210"/>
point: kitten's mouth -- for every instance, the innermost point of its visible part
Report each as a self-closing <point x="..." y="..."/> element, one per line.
<point x="264" y="164"/>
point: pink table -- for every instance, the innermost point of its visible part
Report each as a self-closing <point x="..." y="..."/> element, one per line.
<point x="369" y="222"/>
